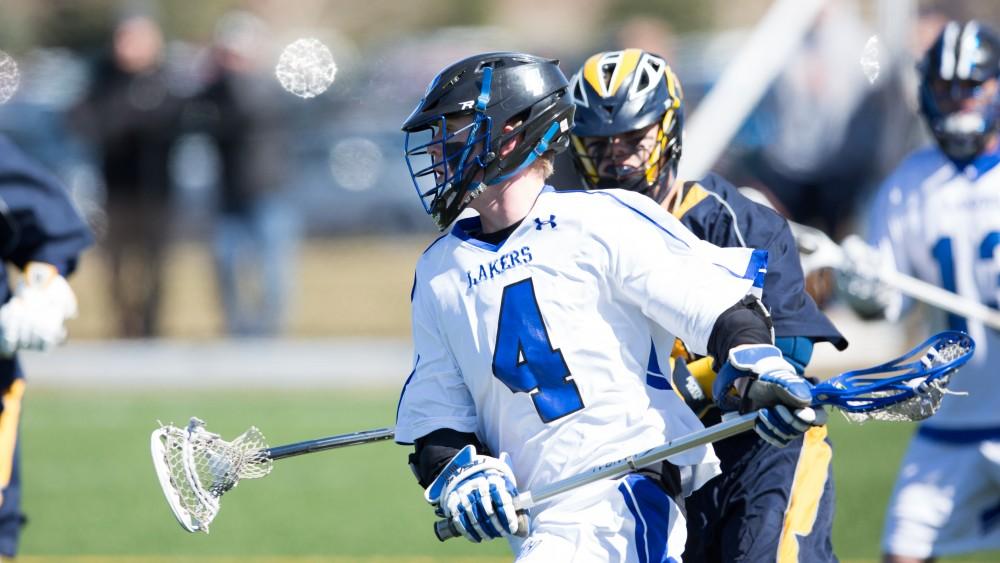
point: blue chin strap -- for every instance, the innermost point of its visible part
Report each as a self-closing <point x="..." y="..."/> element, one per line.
<point x="481" y="102"/>
<point x="539" y="150"/>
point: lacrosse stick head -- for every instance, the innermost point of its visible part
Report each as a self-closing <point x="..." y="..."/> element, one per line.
<point x="196" y="467"/>
<point x="909" y="388"/>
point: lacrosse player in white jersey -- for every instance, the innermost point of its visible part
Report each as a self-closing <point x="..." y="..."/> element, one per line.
<point x="937" y="217"/>
<point x="532" y="322"/>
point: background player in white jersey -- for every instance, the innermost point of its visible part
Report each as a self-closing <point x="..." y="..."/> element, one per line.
<point x="937" y="217"/>
<point x="532" y="323"/>
<point x="770" y="503"/>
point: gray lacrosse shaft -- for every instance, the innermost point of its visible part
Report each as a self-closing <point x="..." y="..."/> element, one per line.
<point x="329" y="443"/>
<point x="820" y="251"/>
<point x="445" y="530"/>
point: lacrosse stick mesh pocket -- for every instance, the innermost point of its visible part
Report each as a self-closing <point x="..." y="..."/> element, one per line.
<point x="202" y="467"/>
<point x="927" y="390"/>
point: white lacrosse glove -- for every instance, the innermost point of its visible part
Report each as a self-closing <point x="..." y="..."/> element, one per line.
<point x="769" y="384"/>
<point x="35" y="317"/>
<point x="859" y="282"/>
<point x="476" y="493"/>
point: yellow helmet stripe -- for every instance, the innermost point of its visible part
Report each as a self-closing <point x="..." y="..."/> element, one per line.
<point x="588" y="164"/>
<point x="626" y="65"/>
<point x="662" y="139"/>
<point x="673" y="86"/>
<point x="592" y="73"/>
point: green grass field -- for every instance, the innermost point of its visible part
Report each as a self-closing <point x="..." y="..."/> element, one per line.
<point x="91" y="494"/>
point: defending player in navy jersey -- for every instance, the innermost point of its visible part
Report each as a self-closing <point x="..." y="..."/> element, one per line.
<point x="43" y="237"/>
<point x="629" y="117"/>
<point x="937" y="217"/>
<point x="532" y="324"/>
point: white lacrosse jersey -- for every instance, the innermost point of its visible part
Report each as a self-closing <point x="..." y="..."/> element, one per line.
<point x="942" y="225"/>
<point x="539" y="345"/>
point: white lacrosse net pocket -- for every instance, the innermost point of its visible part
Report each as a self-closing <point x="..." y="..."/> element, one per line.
<point x="197" y="467"/>
<point x="927" y="394"/>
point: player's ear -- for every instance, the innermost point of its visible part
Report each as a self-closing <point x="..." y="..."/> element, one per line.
<point x="511" y="143"/>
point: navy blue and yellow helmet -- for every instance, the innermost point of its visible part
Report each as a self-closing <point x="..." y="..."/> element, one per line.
<point x="620" y="92"/>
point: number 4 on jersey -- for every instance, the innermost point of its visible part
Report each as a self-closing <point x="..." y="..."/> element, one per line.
<point x="524" y="359"/>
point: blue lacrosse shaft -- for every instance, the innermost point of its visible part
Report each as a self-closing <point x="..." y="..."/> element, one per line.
<point x="850" y="391"/>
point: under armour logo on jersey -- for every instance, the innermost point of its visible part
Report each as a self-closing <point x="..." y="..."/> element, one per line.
<point x="539" y="222"/>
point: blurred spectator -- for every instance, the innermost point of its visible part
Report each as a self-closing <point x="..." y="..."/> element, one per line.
<point x="820" y="126"/>
<point x="131" y="116"/>
<point x="647" y="33"/>
<point x="257" y="229"/>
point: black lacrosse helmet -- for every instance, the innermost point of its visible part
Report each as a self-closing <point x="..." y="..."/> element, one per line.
<point x="621" y="92"/>
<point x="960" y="111"/>
<point x="493" y="90"/>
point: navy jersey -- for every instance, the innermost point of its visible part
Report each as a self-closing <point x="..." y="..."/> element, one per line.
<point x="769" y="504"/>
<point x="46" y="223"/>
<point x="717" y="212"/>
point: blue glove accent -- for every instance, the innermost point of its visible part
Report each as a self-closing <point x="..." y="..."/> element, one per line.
<point x="789" y="383"/>
<point x="724" y="387"/>
<point x="463" y="458"/>
<point x="477" y="494"/>
<point x="773" y="381"/>
<point x="765" y="429"/>
<point x="797" y="350"/>
<point x="740" y="363"/>
<point x="498" y="505"/>
<point x="779" y="426"/>
<point x="479" y="509"/>
<point x="470" y="530"/>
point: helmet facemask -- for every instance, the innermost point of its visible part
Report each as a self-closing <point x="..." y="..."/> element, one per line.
<point x="447" y="165"/>
<point x="629" y="120"/>
<point x="959" y="92"/>
<point x="643" y="161"/>
<point x="962" y="115"/>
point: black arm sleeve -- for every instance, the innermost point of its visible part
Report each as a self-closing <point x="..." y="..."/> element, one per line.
<point x="746" y="322"/>
<point x="433" y="451"/>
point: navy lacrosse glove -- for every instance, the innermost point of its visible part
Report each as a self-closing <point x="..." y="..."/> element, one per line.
<point x="476" y="493"/>
<point x="769" y="384"/>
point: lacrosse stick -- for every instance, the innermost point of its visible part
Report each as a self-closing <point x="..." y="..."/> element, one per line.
<point x="818" y="251"/>
<point x="196" y="467"/>
<point x="908" y="388"/>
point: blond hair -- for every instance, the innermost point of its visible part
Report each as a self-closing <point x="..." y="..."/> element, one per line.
<point x="544" y="165"/>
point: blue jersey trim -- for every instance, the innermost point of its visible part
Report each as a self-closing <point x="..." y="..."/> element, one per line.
<point x="650" y="508"/>
<point x="654" y="375"/>
<point x="657" y="381"/>
<point x="463" y="227"/>
<point x="402" y="392"/>
<point x="468" y="225"/>
<point x="984" y="163"/>
<point x="654" y="364"/>
<point x="757" y="268"/>
<point x="959" y="436"/>
<point x="431" y="245"/>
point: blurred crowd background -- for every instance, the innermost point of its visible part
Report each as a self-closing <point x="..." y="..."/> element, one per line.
<point x="224" y="205"/>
